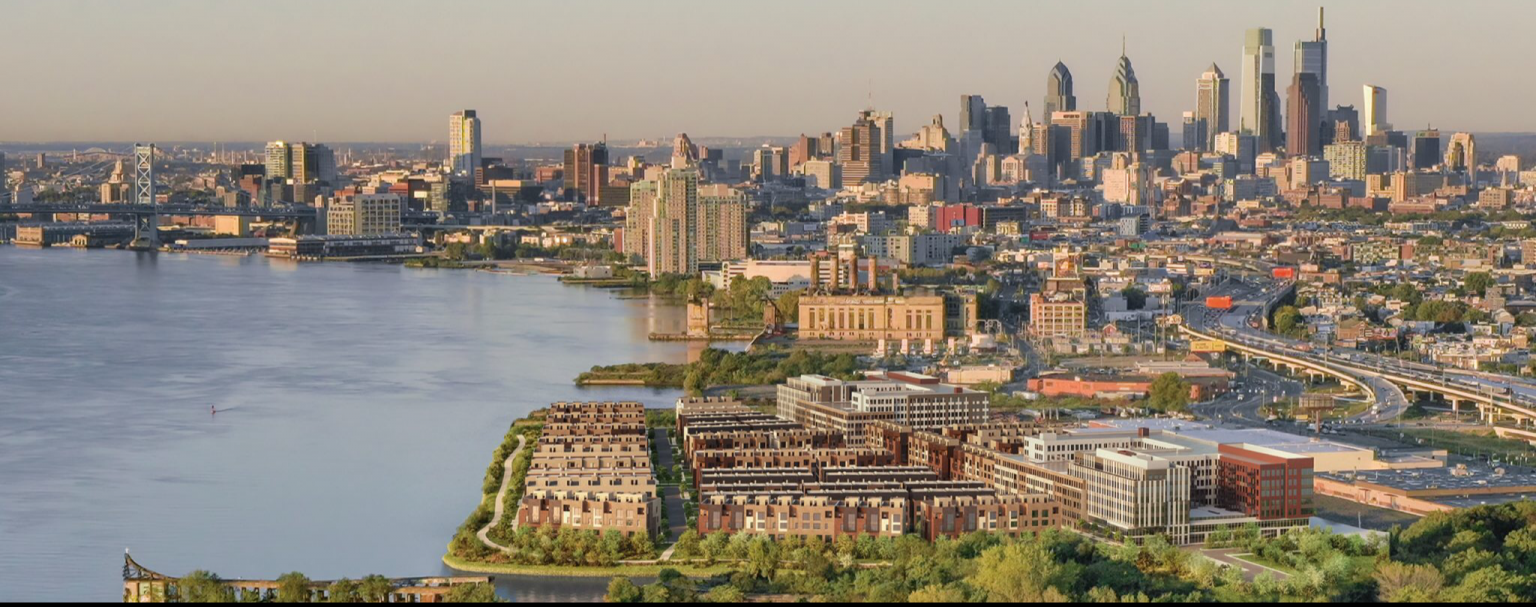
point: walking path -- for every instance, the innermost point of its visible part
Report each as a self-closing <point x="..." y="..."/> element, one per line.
<point x="501" y="498"/>
<point x="1251" y="570"/>
<point x="677" y="519"/>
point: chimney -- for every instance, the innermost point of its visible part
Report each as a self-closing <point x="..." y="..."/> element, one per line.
<point x="837" y="268"/>
<point x="874" y="275"/>
<point x="815" y="273"/>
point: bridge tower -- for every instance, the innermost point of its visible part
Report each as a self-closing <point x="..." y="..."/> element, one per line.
<point x="147" y="224"/>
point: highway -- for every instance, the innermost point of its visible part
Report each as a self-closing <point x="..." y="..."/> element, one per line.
<point x="1381" y="376"/>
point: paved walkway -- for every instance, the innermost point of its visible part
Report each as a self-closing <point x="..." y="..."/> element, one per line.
<point x="677" y="520"/>
<point x="501" y="498"/>
<point x="1227" y="556"/>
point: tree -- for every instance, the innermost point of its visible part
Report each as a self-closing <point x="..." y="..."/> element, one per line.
<point x="621" y="590"/>
<point x="1023" y="572"/>
<point x="1478" y="283"/>
<point x="762" y="558"/>
<point x="1169" y="392"/>
<point x="688" y="545"/>
<point x="375" y="588"/>
<point x="1488" y="585"/>
<point x="341" y="591"/>
<point x="938" y="593"/>
<point x="789" y="306"/>
<point x="478" y="592"/>
<point x="1288" y="320"/>
<point x="725" y="593"/>
<point x="204" y="587"/>
<point x="293" y="587"/>
<point x="1135" y="299"/>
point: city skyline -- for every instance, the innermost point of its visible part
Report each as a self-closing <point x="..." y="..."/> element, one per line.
<point x="553" y="84"/>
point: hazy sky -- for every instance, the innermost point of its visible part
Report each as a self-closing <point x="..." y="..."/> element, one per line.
<point x="388" y="70"/>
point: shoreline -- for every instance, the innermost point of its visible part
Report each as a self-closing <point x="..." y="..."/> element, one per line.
<point x="692" y="571"/>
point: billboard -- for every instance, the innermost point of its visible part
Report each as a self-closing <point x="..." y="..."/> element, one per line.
<point x="1207" y="346"/>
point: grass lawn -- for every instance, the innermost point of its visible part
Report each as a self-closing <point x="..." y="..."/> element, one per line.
<point x="1481" y="442"/>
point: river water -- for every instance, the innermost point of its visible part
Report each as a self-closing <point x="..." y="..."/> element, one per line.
<point x="359" y="405"/>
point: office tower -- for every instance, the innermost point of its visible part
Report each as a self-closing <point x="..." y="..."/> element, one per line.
<point x="973" y="114"/>
<point x="279" y="161"/>
<point x="674" y="221"/>
<point x="1211" y="102"/>
<point x="1375" y="119"/>
<point x="1192" y="135"/>
<point x="805" y="150"/>
<point x="1241" y="147"/>
<point x="887" y="142"/>
<point x="859" y="150"/>
<point x="1124" y="90"/>
<point x="998" y="130"/>
<point x="1258" y="87"/>
<point x="464" y="144"/>
<point x="1426" y="149"/>
<point x="585" y="170"/>
<point x="1081" y="134"/>
<point x="5" y="178"/>
<point x="1346" y="124"/>
<point x="363" y="215"/>
<point x="1058" y="91"/>
<point x="1461" y="155"/>
<point x="684" y="152"/>
<point x="1303" y="127"/>
<point x="1312" y="58"/>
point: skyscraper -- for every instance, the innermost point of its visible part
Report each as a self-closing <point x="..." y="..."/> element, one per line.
<point x="464" y="144"/>
<point x="674" y="220"/>
<point x="1211" y="102"/>
<point x="973" y="110"/>
<point x="1124" y="90"/>
<point x="1426" y="149"/>
<point x="1303" y="127"/>
<point x="279" y="161"/>
<point x="585" y="170"/>
<point x="859" y="150"/>
<point x="1375" y="119"/>
<point x="1257" y="114"/>
<point x="5" y="179"/>
<point x="1058" y="91"/>
<point x="1312" y="58"/>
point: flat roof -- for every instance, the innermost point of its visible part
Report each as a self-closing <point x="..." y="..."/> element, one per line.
<point x="1429" y="479"/>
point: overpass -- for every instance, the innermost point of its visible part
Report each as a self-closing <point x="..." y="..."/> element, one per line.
<point x="1388" y="382"/>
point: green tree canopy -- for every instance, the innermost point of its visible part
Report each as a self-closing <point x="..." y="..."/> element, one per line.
<point x="1169" y="392"/>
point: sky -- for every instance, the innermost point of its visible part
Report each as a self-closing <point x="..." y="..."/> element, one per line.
<point x="555" y="71"/>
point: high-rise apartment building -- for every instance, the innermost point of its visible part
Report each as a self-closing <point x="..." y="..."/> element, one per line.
<point x="1211" y="103"/>
<point x="1058" y="91"/>
<point x="1124" y="90"/>
<point x="1346" y="160"/>
<point x="464" y="144"/>
<point x="721" y="233"/>
<point x="1375" y="119"/>
<point x="1259" y="100"/>
<point x="673" y="223"/>
<point x="1303" y="126"/>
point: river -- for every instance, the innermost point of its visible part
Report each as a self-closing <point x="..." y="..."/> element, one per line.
<point x="358" y="407"/>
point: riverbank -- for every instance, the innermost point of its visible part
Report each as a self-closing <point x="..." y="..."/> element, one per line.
<point x="627" y="570"/>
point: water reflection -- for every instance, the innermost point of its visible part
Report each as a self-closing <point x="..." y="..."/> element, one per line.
<point x="361" y="403"/>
